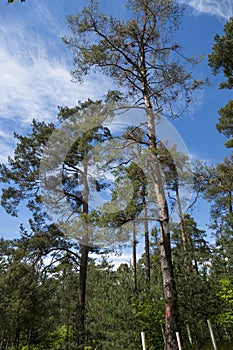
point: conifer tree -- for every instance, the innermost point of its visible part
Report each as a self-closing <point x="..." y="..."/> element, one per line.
<point x="22" y="175"/>
<point x="221" y="60"/>
<point x="191" y="272"/>
<point x="139" y="55"/>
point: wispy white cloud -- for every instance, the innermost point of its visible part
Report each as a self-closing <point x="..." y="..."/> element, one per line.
<point x="220" y="8"/>
<point x="35" y="68"/>
<point x="125" y="257"/>
<point x="5" y="151"/>
<point x="35" y="72"/>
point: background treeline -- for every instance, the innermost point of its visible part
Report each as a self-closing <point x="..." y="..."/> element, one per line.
<point x="39" y="289"/>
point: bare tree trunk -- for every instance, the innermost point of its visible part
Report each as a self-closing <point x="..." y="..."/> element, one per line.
<point x="7" y="343"/>
<point x="147" y="244"/>
<point x="16" y="340"/>
<point x="146" y="231"/>
<point x="169" y="290"/>
<point x="82" y="297"/>
<point x="134" y="257"/>
<point x="84" y="250"/>
<point x="29" y="335"/>
<point x="182" y="228"/>
<point x="186" y="239"/>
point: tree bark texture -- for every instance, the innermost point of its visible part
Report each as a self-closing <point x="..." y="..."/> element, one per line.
<point x="169" y="289"/>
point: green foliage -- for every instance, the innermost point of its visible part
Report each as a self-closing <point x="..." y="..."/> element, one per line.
<point x="221" y="59"/>
<point x="196" y="298"/>
<point x="140" y="55"/>
<point x="45" y="303"/>
<point x="110" y="321"/>
<point x="134" y="52"/>
<point x="11" y="1"/>
<point x="216" y="183"/>
<point x="225" y="294"/>
<point x="38" y="306"/>
<point x="25" y="295"/>
<point x="57" y="339"/>
<point x="225" y="124"/>
<point x="22" y="171"/>
<point x="149" y="316"/>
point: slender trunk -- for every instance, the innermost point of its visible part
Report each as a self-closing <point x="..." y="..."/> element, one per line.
<point x="171" y="318"/>
<point x="7" y="343"/>
<point x="182" y="228"/>
<point x="82" y="296"/>
<point x="147" y="244"/>
<point x="169" y="289"/>
<point x="230" y="202"/>
<point x="186" y="239"/>
<point x="187" y="252"/>
<point x="29" y="335"/>
<point x="146" y="230"/>
<point x="192" y="249"/>
<point x="171" y="325"/>
<point x="84" y="250"/>
<point x="134" y="257"/>
<point x="16" y="340"/>
<point x="68" y="327"/>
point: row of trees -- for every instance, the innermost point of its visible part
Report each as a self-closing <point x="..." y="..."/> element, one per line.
<point x="181" y="280"/>
<point x="39" y="294"/>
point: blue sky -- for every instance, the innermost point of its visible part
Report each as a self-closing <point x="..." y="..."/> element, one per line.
<point x="35" y="76"/>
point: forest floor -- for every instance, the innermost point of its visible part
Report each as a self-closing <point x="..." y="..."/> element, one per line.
<point x="220" y="346"/>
